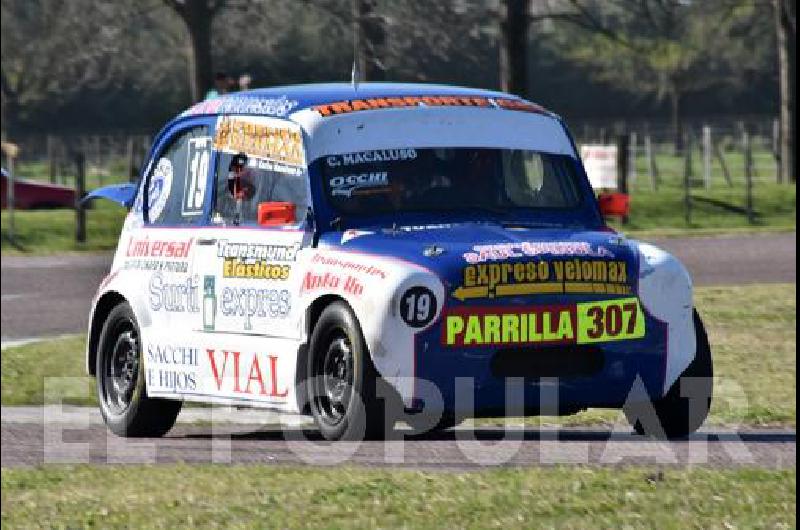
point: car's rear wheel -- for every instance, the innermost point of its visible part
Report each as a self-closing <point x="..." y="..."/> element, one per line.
<point x="685" y="406"/>
<point x="121" y="392"/>
<point x="341" y="380"/>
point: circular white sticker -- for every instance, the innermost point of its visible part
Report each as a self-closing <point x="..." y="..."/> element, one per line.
<point x="160" y="185"/>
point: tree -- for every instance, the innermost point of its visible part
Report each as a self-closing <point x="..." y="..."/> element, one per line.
<point x="786" y="36"/>
<point x="370" y="48"/>
<point x="53" y="49"/>
<point x="198" y="16"/>
<point x="514" y="23"/>
<point x="667" y="48"/>
<point x="56" y="53"/>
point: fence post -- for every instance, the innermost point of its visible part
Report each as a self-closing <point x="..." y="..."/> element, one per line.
<point x="723" y="165"/>
<point x="687" y="176"/>
<point x="51" y="162"/>
<point x="776" y="149"/>
<point x="707" y="156"/>
<point x="134" y="149"/>
<point x="11" y="151"/>
<point x="634" y="146"/>
<point x="80" y="191"/>
<point x="652" y="168"/>
<point x="623" y="143"/>
<point x="748" y="176"/>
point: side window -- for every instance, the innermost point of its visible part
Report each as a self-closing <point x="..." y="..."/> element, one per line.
<point x="243" y="182"/>
<point x="178" y="180"/>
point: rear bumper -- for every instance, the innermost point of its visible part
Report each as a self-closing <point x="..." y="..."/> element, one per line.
<point x="491" y="381"/>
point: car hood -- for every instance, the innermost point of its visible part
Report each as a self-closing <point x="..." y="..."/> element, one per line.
<point x="485" y="261"/>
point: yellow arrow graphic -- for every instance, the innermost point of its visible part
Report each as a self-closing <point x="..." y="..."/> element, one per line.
<point x="529" y="288"/>
<point x="516" y="289"/>
<point x="462" y="293"/>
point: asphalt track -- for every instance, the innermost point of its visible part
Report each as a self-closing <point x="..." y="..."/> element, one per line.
<point x="46" y="296"/>
<point x="77" y="436"/>
<point x="50" y="295"/>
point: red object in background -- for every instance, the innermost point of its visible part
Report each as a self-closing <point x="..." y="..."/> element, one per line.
<point x="614" y="204"/>
<point x="276" y="213"/>
<point x="29" y="194"/>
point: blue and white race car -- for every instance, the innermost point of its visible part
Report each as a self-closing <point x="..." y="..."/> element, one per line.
<point x="383" y="253"/>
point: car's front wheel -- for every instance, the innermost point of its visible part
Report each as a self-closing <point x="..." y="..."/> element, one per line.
<point x="121" y="392"/>
<point x="341" y="381"/>
<point x="685" y="406"/>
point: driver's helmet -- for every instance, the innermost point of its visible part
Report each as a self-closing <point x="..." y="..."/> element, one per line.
<point x="238" y="162"/>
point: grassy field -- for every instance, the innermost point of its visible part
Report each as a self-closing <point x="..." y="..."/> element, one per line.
<point x="776" y="206"/>
<point x="53" y="231"/>
<point x="751" y="328"/>
<point x="208" y="496"/>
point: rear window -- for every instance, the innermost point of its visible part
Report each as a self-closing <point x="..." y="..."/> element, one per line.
<point x="412" y="179"/>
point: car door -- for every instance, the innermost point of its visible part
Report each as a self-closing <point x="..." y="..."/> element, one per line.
<point x="248" y="269"/>
<point x="159" y="251"/>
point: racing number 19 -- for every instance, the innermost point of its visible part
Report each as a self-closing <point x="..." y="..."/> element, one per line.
<point x="610" y="320"/>
<point x="195" y="185"/>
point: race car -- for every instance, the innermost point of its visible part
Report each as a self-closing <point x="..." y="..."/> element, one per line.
<point x="376" y="253"/>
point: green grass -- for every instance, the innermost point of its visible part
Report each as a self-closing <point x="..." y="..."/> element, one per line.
<point x="208" y="496"/>
<point x="53" y="231"/>
<point x="751" y="329"/>
<point x="664" y="210"/>
<point x="776" y="204"/>
<point x="56" y="364"/>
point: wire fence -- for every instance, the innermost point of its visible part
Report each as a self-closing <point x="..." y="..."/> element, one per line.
<point x="712" y="152"/>
<point x="109" y="158"/>
<point x="723" y="162"/>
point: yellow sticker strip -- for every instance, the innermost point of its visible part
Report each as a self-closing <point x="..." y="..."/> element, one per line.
<point x="516" y="289"/>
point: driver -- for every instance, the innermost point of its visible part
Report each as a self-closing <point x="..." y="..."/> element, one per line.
<point x="240" y="179"/>
<point x="476" y="183"/>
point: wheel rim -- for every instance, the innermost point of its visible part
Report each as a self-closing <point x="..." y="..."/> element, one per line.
<point x="333" y="378"/>
<point x="121" y="368"/>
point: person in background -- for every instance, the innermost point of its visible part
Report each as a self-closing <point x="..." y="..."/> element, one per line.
<point x="220" y="86"/>
<point x="231" y="83"/>
<point x="244" y="81"/>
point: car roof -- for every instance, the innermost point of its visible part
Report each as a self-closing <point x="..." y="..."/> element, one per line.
<point x="279" y="101"/>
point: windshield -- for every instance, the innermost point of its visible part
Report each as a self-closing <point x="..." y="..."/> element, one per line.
<point x="412" y="179"/>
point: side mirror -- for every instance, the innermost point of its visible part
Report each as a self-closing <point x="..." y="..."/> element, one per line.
<point x="276" y="213"/>
<point x="614" y="204"/>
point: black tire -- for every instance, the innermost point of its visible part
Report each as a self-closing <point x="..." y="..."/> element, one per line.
<point x="121" y="392"/>
<point x="677" y="418"/>
<point x="341" y="381"/>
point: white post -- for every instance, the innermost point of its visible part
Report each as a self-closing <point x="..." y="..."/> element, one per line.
<point x="11" y="151"/>
<point x="707" y="156"/>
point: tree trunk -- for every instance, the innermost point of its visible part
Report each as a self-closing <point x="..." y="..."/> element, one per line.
<point x="10" y="113"/>
<point x="786" y="43"/>
<point x="513" y="50"/>
<point x="198" y="15"/>
<point x="676" y="119"/>
<point x="372" y="33"/>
